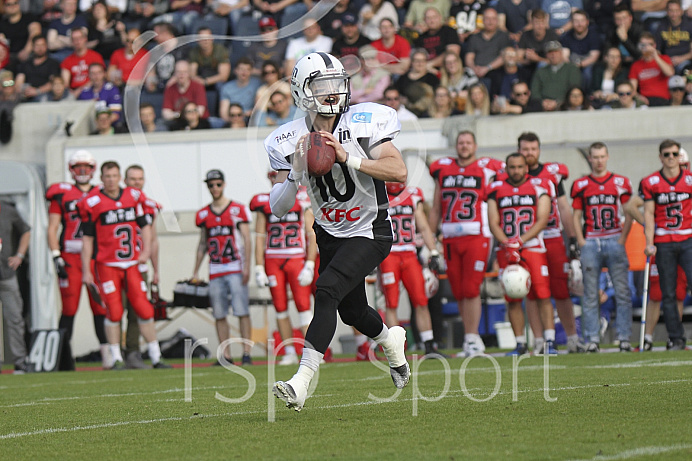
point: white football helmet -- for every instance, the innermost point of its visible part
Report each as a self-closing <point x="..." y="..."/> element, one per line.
<point x="320" y="84"/>
<point x="432" y="284"/>
<point x="82" y="166"/>
<point x="684" y="159"/>
<point x="575" y="282"/>
<point x="516" y="281"/>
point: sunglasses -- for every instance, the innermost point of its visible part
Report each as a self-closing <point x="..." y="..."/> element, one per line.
<point x="269" y="72"/>
<point x="211" y="185"/>
<point x="668" y="154"/>
<point x="232" y="114"/>
<point x="677" y="89"/>
<point x="625" y="93"/>
<point x="524" y="93"/>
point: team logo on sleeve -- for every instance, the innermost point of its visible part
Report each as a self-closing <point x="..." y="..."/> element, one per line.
<point x="619" y="181"/>
<point x="361" y="117"/>
<point x="688" y="180"/>
<point x="285" y="136"/>
<point x="93" y="200"/>
<point x="653" y="180"/>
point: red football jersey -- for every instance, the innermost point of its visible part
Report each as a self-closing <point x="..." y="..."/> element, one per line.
<point x="464" y="211"/>
<point x="673" y="210"/>
<point x="556" y="173"/>
<point x="223" y="237"/>
<point x="286" y="235"/>
<point x="113" y="223"/>
<point x="402" y="210"/>
<point x="601" y="200"/>
<point x="518" y="206"/>
<point x="63" y="199"/>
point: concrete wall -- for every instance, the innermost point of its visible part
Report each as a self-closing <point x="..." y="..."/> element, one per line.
<point x="175" y="164"/>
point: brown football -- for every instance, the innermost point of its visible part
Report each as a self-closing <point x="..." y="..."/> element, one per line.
<point x="320" y="155"/>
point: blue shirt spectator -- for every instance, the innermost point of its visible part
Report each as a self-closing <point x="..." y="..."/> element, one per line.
<point x="242" y="90"/>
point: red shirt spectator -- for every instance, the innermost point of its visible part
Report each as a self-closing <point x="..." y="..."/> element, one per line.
<point x="184" y="90"/>
<point x="75" y="67"/>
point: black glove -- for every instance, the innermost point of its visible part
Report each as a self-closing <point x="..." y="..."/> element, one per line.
<point x="574" y="251"/>
<point x="60" y="267"/>
<point x="436" y="264"/>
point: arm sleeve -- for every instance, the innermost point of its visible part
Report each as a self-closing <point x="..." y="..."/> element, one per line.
<point x="282" y="197"/>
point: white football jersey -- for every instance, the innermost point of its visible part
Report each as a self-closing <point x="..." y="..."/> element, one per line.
<point x="346" y="202"/>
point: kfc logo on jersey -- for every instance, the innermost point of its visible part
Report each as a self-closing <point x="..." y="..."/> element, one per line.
<point x="339" y="214"/>
<point x="361" y="117"/>
<point x="285" y="136"/>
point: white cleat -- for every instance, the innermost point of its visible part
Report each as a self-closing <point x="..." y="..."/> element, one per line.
<point x="289" y="359"/>
<point x="473" y="348"/>
<point x="396" y="355"/>
<point x="293" y="396"/>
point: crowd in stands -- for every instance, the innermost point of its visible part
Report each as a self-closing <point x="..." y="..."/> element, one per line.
<point x="442" y="57"/>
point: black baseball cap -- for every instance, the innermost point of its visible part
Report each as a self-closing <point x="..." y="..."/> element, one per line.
<point x="214" y="175"/>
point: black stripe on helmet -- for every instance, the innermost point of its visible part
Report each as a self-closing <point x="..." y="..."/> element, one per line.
<point x="327" y="59"/>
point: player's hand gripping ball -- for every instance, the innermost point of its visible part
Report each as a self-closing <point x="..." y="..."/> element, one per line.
<point x="320" y="155"/>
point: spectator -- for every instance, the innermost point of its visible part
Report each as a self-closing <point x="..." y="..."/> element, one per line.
<point x="442" y="105"/>
<point x="560" y="13"/>
<point x="372" y="14"/>
<point x="650" y="13"/>
<point x="601" y="14"/>
<point x="121" y="69"/>
<point x="350" y="40"/>
<point x="15" y="235"/>
<point x="392" y="98"/>
<point x="270" y="48"/>
<point x="60" y="30"/>
<point x="583" y="45"/>
<point x="550" y="83"/>
<point x="140" y="13"/>
<point x="456" y="78"/>
<point x="284" y="12"/>
<point x="281" y="110"/>
<point x="182" y="14"/>
<point x="181" y="92"/>
<point x="242" y="90"/>
<point x="575" y="100"/>
<point x="483" y="54"/>
<point x="625" y="36"/>
<point x="465" y="15"/>
<point x="104" y="93"/>
<point x="271" y="78"/>
<point x="531" y="47"/>
<point x="331" y="22"/>
<point x="164" y="56"/>
<point x="368" y="85"/>
<point x="409" y="84"/>
<point x="627" y="98"/>
<point x="190" y="119"/>
<point x="394" y="50"/>
<point x="674" y="36"/>
<point x="58" y="91"/>
<point x="210" y="64"/>
<point x="75" y="67"/>
<point x="510" y="72"/>
<point x="602" y="243"/>
<point x="514" y="16"/>
<point x="229" y="270"/>
<point x="437" y="39"/>
<point x="415" y="15"/>
<point x="676" y="86"/>
<point x="311" y="41"/>
<point x="231" y="9"/>
<point x="147" y="115"/>
<point x="607" y="75"/>
<point x="478" y="102"/>
<point x="108" y="33"/>
<point x="236" y="116"/>
<point x="520" y="103"/>
<point x="34" y="75"/>
<point x="18" y="30"/>
<point x="649" y="75"/>
<point x="104" y="123"/>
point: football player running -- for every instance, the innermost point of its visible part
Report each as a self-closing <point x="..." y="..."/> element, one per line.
<point x="352" y="226"/>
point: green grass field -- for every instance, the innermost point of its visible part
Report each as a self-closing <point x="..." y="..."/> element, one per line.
<point x="608" y="406"/>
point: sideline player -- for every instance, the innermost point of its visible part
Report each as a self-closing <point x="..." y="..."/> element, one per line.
<point x="402" y="265"/>
<point x="352" y="227"/>
<point x="598" y="198"/>
<point x="110" y="217"/>
<point x="529" y="146"/>
<point x="225" y="235"/>
<point x="460" y="212"/>
<point x="667" y="196"/>
<point x="65" y="243"/>
<point x="518" y="212"/>
<point x="284" y="256"/>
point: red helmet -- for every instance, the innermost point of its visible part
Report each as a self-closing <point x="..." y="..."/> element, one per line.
<point x="395" y="188"/>
<point x="82" y="166"/>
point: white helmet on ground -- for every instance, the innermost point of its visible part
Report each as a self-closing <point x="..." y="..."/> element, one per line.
<point x="87" y="162"/>
<point x="516" y="281"/>
<point x="575" y="282"/>
<point x="319" y="83"/>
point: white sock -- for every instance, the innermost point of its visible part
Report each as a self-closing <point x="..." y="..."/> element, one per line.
<point x="154" y="352"/>
<point x="521" y="339"/>
<point x="115" y="352"/>
<point x="360" y="340"/>
<point x="289" y="350"/>
<point x="472" y="338"/>
<point x="649" y="338"/>
<point x="382" y="338"/>
<point x="549" y="335"/>
<point x="106" y="357"/>
<point x="538" y="343"/>
<point x="426" y="335"/>
<point x="309" y="364"/>
<point x="573" y="338"/>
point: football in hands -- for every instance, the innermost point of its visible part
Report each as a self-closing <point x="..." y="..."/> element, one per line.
<point x="319" y="155"/>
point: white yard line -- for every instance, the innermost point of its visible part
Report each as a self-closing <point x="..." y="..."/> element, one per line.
<point x="643" y="451"/>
